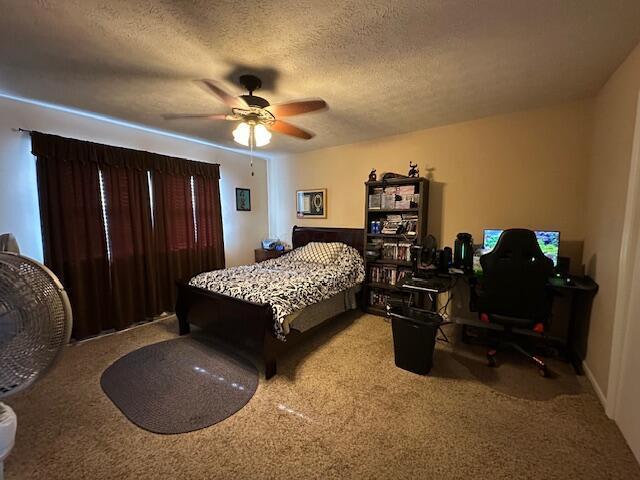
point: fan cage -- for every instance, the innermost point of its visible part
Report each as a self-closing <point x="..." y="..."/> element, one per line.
<point x="35" y="321"/>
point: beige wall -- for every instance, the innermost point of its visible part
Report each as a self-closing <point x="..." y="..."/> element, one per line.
<point x="524" y="169"/>
<point x="19" y="212"/>
<point x="614" y="121"/>
<point x="563" y="167"/>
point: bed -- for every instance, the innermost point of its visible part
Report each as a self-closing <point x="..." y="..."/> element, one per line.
<point x="252" y="325"/>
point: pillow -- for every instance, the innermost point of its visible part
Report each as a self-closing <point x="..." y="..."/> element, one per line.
<point x="320" y="252"/>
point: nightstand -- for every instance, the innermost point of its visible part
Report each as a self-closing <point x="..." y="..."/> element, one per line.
<point x="261" y="254"/>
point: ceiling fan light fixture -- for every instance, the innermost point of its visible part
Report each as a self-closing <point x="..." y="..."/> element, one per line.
<point x="262" y="135"/>
<point x="244" y="133"/>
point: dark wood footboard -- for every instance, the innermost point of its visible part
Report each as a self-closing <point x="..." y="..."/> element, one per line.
<point x="243" y="324"/>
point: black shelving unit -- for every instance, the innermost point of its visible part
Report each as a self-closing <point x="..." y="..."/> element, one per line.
<point x="392" y="210"/>
<point x="421" y="187"/>
<point x="382" y="286"/>
<point x="399" y="263"/>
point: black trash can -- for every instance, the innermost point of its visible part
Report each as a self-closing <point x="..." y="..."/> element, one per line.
<point x="414" y="338"/>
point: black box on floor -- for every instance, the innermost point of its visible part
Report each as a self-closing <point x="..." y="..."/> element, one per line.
<point x="414" y="338"/>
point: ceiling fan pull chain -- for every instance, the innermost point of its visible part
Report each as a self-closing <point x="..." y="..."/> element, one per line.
<point x="251" y="142"/>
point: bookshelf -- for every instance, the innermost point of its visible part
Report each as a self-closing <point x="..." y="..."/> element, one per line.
<point x="403" y="202"/>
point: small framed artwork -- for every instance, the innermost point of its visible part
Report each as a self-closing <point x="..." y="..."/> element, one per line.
<point x="311" y="203"/>
<point x="243" y="199"/>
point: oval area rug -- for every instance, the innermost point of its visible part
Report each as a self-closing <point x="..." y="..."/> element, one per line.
<point x="179" y="385"/>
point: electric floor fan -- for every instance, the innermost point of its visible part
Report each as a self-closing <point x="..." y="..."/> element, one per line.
<point x="35" y="325"/>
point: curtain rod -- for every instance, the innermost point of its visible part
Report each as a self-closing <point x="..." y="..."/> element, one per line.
<point x="21" y="130"/>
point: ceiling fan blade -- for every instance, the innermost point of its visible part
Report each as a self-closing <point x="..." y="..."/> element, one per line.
<point x="296" y="108"/>
<point x="228" y="99"/>
<point x="291" y="130"/>
<point x="208" y="116"/>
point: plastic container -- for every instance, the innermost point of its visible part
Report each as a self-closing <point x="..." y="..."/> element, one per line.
<point x="414" y="338"/>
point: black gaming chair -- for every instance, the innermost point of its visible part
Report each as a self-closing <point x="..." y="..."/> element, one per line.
<point x="513" y="292"/>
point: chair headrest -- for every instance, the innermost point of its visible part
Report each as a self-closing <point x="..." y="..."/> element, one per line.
<point x="519" y="245"/>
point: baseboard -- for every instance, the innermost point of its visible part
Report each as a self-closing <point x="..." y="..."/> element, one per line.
<point x="594" y="383"/>
<point x="162" y="316"/>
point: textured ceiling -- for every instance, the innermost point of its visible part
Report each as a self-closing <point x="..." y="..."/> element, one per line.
<point x="384" y="67"/>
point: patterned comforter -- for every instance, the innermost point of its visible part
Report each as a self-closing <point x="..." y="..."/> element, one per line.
<point x="287" y="283"/>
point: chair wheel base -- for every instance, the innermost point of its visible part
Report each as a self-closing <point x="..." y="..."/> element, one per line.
<point x="491" y="358"/>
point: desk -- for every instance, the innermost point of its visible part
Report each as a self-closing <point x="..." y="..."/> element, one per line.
<point x="578" y="293"/>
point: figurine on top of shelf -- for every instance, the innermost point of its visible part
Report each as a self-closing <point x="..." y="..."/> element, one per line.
<point x="372" y="176"/>
<point x="413" y="170"/>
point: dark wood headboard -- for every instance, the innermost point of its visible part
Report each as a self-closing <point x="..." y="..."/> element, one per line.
<point x="351" y="236"/>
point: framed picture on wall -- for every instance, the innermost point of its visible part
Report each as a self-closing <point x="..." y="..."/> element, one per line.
<point x="243" y="199"/>
<point x="311" y="203"/>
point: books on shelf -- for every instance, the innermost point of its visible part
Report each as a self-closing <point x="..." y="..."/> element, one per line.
<point x="396" y="251"/>
<point x="392" y="224"/>
<point x="403" y="204"/>
<point x="396" y="224"/>
<point x="400" y="197"/>
<point x="404" y="251"/>
<point x="375" y="198"/>
<point x="389" y="274"/>
<point x="378" y="299"/>
<point x="383" y="274"/>
<point x="375" y="274"/>
<point x="405" y="189"/>
<point x="410" y="223"/>
<point x="390" y="251"/>
<point x="388" y="202"/>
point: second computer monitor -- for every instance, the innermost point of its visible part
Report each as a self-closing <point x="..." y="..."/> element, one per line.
<point x="549" y="242"/>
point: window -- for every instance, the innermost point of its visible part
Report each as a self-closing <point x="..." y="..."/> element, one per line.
<point x="194" y="206"/>
<point x="105" y="219"/>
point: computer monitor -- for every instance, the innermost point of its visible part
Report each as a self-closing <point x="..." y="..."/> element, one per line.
<point x="549" y="242"/>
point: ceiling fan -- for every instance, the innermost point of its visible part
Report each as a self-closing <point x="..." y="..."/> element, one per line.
<point x="257" y="117"/>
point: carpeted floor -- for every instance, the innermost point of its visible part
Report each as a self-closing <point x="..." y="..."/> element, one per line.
<point x="338" y="409"/>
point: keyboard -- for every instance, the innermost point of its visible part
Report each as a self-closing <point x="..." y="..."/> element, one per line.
<point x="561" y="282"/>
<point x="429" y="285"/>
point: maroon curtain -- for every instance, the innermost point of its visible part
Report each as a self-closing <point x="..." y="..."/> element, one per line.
<point x="176" y="255"/>
<point x="134" y="294"/>
<point x="123" y="268"/>
<point x="74" y="239"/>
<point x="210" y="244"/>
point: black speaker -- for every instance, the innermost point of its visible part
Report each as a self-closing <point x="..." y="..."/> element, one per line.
<point x="443" y="259"/>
